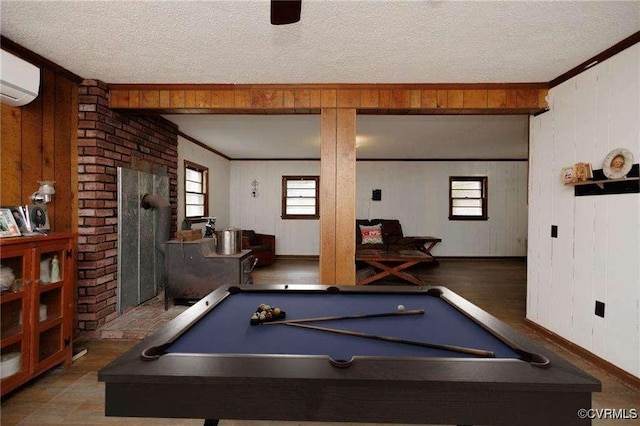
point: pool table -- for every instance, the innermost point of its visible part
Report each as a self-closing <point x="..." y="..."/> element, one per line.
<point x="398" y="364"/>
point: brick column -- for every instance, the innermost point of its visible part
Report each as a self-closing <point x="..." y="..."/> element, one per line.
<point x="108" y="140"/>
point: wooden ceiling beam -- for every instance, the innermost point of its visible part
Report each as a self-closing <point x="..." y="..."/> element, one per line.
<point x="523" y="98"/>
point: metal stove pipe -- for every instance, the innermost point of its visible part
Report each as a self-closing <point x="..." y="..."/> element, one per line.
<point x="163" y="217"/>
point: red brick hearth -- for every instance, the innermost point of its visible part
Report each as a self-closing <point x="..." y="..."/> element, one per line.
<point x="108" y="140"/>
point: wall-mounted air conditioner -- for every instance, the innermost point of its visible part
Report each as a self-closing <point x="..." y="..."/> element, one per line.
<point x="19" y="80"/>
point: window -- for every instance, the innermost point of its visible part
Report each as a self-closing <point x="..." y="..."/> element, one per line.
<point x="196" y="200"/>
<point x="468" y="198"/>
<point x="300" y="197"/>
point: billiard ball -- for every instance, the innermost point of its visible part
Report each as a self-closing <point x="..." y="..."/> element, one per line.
<point x="400" y="308"/>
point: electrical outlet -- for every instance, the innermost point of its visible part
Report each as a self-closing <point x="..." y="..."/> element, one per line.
<point x="554" y="231"/>
<point x="600" y="309"/>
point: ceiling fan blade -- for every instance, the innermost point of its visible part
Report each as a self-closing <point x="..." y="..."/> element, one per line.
<point x="285" y="11"/>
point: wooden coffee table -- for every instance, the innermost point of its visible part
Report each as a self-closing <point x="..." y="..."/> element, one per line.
<point x="392" y="263"/>
<point x="421" y="243"/>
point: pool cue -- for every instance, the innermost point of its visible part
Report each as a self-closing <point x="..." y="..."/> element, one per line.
<point x="460" y="349"/>
<point x="356" y="316"/>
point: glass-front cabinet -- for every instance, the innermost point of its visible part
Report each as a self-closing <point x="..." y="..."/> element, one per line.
<point x="37" y="280"/>
<point x="14" y="299"/>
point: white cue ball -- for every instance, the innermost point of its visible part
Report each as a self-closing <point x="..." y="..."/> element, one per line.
<point x="400" y="308"/>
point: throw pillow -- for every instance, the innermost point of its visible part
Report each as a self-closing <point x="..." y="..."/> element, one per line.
<point x="371" y="234"/>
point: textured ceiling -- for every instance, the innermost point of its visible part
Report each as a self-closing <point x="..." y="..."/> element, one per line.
<point x="370" y="41"/>
<point x="334" y="42"/>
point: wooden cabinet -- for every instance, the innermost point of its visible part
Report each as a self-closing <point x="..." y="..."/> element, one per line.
<point x="38" y="276"/>
<point x="195" y="270"/>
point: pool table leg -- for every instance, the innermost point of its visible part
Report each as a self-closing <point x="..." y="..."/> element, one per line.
<point x="211" y="422"/>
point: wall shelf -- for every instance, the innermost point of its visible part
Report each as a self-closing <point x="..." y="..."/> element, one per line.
<point x="600" y="185"/>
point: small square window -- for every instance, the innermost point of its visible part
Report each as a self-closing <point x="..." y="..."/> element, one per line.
<point x="468" y="198"/>
<point x="300" y="197"/>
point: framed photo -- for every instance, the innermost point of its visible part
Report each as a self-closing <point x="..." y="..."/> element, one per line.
<point x="38" y="217"/>
<point x="8" y="226"/>
<point x="21" y="219"/>
<point x="617" y="163"/>
<point x="582" y="172"/>
<point x="567" y="174"/>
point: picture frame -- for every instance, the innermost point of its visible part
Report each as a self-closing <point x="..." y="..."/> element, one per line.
<point x="582" y="172"/>
<point x="21" y="219"/>
<point x="567" y="174"/>
<point x="8" y="225"/>
<point x="617" y="163"/>
<point x="38" y="218"/>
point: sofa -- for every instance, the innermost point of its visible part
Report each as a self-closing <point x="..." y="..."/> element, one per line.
<point x="262" y="246"/>
<point x="392" y="237"/>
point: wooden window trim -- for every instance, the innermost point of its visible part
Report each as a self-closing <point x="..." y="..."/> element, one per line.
<point x="484" y="181"/>
<point x="284" y="198"/>
<point x="205" y="187"/>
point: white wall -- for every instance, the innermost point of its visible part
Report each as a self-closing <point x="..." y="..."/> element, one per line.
<point x="263" y="213"/>
<point x="416" y="193"/>
<point x="218" y="181"/>
<point x="596" y="256"/>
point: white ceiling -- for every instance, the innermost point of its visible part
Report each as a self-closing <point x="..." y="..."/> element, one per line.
<point x="336" y="41"/>
<point x="368" y="41"/>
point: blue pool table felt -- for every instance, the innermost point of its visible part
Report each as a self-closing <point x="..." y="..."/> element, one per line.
<point x="226" y="328"/>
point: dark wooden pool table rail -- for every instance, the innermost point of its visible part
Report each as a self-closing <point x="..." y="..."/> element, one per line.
<point x="373" y="389"/>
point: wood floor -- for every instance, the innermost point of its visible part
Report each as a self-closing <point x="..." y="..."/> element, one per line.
<point x="73" y="396"/>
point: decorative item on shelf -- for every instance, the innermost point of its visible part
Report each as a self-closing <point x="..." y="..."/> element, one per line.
<point x="210" y="227"/>
<point x="55" y="269"/>
<point x="8" y="225"/>
<point x="42" y="312"/>
<point x="617" y="163"/>
<point x="45" y="272"/>
<point x="38" y="218"/>
<point x="567" y="174"/>
<point x="44" y="193"/>
<point x="254" y="188"/>
<point x="21" y="220"/>
<point x="7" y="278"/>
<point x="582" y="172"/>
<point x="10" y="364"/>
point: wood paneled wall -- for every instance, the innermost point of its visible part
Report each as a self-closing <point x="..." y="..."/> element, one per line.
<point x="39" y="142"/>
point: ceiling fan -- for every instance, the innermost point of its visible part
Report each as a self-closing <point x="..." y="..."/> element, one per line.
<point x="285" y="11"/>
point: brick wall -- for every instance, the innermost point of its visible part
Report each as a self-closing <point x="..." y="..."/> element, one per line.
<point x="108" y="140"/>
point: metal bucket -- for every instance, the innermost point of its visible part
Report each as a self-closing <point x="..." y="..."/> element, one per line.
<point x="229" y="241"/>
